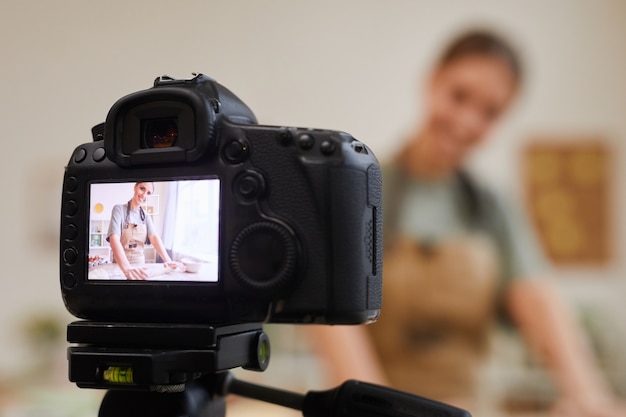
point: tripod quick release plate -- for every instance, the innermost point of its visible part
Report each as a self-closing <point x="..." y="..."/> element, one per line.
<point x="160" y="357"/>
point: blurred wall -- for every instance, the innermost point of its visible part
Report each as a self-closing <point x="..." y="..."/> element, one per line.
<point x="353" y="65"/>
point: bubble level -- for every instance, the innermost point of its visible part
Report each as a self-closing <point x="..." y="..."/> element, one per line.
<point x="118" y="375"/>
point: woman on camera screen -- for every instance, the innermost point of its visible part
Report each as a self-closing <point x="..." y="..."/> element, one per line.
<point x="130" y="229"/>
<point x="456" y="260"/>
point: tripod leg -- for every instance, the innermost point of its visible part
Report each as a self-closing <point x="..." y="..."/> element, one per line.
<point x="200" y="403"/>
<point x="139" y="403"/>
<point x="193" y="402"/>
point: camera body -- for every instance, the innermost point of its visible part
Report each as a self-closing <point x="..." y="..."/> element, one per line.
<point x="285" y="222"/>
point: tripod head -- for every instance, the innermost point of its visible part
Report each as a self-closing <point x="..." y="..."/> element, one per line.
<point x="163" y="370"/>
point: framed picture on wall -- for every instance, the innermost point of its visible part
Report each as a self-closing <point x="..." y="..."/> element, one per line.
<point x="568" y="190"/>
<point x="95" y="240"/>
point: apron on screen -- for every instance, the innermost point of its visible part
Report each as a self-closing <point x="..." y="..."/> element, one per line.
<point x="133" y="241"/>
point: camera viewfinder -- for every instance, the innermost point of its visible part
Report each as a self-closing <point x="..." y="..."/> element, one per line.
<point x="160" y="133"/>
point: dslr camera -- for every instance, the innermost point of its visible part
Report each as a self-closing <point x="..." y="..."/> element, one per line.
<point x="268" y="224"/>
<point x="185" y="226"/>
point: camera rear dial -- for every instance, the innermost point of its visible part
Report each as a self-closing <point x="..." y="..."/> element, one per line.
<point x="263" y="257"/>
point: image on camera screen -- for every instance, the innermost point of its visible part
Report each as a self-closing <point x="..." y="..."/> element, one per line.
<point x="147" y="230"/>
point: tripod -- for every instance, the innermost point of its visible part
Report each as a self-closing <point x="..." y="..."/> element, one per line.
<point x="206" y="399"/>
<point x="161" y="370"/>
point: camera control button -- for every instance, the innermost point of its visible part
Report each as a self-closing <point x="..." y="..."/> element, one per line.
<point x="80" y="155"/>
<point x="306" y="141"/>
<point x="70" y="255"/>
<point x="69" y="280"/>
<point x="71" y="208"/>
<point x="71" y="184"/>
<point x="70" y="232"/>
<point x="98" y="155"/>
<point x="328" y="147"/>
<point x="236" y="151"/>
<point x="249" y="186"/>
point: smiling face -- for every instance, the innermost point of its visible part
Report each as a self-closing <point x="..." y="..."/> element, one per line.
<point x="142" y="191"/>
<point x="466" y="97"/>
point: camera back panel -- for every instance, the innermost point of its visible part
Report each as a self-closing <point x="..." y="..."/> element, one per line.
<point x="296" y="223"/>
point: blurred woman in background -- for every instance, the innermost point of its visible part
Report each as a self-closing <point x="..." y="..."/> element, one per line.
<point x="456" y="261"/>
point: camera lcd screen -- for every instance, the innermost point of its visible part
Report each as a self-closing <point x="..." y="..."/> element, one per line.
<point x="164" y="231"/>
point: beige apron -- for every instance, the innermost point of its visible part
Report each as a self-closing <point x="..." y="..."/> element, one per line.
<point x="133" y="240"/>
<point x="438" y="306"/>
